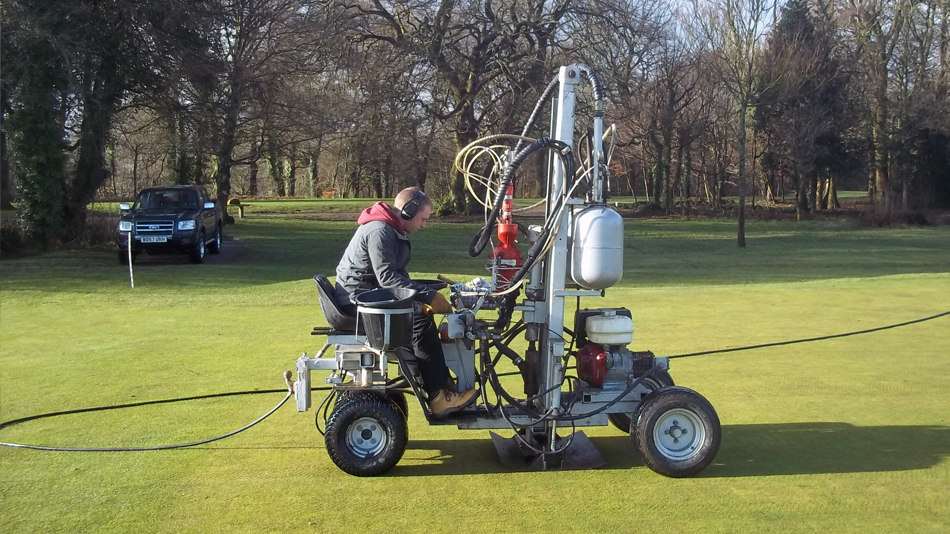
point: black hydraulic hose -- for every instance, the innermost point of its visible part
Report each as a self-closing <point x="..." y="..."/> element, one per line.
<point x="545" y="96"/>
<point x="810" y="339"/>
<point x="145" y="403"/>
<point x="481" y="238"/>
<point x="630" y="388"/>
<point x="595" y="82"/>
<point x="158" y="448"/>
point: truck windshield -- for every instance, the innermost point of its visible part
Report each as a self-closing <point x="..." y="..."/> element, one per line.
<point x="167" y="199"/>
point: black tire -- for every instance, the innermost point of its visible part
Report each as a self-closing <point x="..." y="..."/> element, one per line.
<point x="398" y="399"/>
<point x="215" y="246"/>
<point x="659" y="379"/>
<point x="197" y="254"/>
<point x="676" y="432"/>
<point x="366" y="435"/>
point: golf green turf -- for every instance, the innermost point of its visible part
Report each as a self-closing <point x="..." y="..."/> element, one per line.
<point x="846" y="435"/>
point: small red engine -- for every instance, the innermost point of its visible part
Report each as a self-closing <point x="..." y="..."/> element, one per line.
<point x="592" y="364"/>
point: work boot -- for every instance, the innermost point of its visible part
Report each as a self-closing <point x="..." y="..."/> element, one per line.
<point x="446" y="402"/>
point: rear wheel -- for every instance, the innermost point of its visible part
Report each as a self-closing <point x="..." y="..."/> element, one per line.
<point x="659" y="379"/>
<point x="676" y="432"/>
<point x="366" y="435"/>
<point x="198" y="251"/>
<point x="397" y="398"/>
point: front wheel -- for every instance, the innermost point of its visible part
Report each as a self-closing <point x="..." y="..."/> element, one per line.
<point x="198" y="251"/>
<point x="676" y="432"/>
<point x="215" y="246"/>
<point x="366" y="435"/>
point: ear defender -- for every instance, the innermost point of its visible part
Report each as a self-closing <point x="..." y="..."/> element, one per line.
<point x="412" y="207"/>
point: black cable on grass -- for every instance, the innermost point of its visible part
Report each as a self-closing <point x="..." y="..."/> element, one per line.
<point x="289" y="394"/>
<point x="146" y="403"/>
<point x="810" y="339"/>
<point x="158" y="448"/>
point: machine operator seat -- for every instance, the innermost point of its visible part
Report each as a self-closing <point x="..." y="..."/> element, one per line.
<point x="344" y="322"/>
<point x="332" y="312"/>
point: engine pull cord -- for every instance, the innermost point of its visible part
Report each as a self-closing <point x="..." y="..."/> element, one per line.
<point x="810" y="339"/>
<point x="290" y="392"/>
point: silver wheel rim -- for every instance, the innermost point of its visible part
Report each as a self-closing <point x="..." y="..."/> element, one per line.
<point x="217" y="238"/>
<point x="679" y="434"/>
<point x="365" y="437"/>
<point x="201" y="248"/>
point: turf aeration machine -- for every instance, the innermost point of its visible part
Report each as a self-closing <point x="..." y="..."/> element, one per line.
<point x="576" y="252"/>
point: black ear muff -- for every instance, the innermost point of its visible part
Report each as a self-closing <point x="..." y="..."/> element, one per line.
<point x="412" y="207"/>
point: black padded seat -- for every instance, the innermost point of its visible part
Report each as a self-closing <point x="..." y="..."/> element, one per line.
<point x="334" y="315"/>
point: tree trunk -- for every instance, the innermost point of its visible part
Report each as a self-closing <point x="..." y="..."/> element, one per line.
<point x="292" y="173"/>
<point x="276" y="167"/>
<point x="180" y="151"/>
<point x="222" y="176"/>
<point x="879" y="138"/>
<point x="688" y="164"/>
<point x="135" y="169"/>
<point x="665" y="165"/>
<point x="814" y="191"/>
<point x="465" y="134"/>
<point x="253" y="188"/>
<point x="740" y="237"/>
<point x="99" y="103"/>
<point x="6" y="192"/>
<point x="313" y="167"/>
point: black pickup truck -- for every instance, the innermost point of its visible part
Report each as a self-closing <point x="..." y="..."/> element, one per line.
<point x="168" y="220"/>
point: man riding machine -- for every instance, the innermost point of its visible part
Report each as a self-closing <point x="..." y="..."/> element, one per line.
<point x="577" y="251"/>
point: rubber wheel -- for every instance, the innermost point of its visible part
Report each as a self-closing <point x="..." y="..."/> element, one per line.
<point x="366" y="435"/>
<point x="198" y="252"/>
<point x="676" y="432"/>
<point x="659" y="379"/>
<point x="398" y="399"/>
<point x="215" y="246"/>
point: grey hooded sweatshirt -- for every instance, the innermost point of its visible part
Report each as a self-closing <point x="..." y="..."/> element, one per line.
<point x="377" y="256"/>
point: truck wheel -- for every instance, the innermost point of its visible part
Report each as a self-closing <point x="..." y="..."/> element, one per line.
<point x="676" y="432"/>
<point x="366" y="435"/>
<point x="659" y="379"/>
<point x="215" y="246"/>
<point x="198" y="251"/>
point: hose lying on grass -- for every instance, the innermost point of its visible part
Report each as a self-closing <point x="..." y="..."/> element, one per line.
<point x="290" y="393"/>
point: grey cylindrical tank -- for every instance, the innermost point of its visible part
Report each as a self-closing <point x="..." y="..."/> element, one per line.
<point x="597" y="248"/>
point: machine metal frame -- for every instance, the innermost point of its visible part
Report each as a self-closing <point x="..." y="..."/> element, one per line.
<point x="634" y="381"/>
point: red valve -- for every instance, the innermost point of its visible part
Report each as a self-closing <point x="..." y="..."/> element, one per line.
<point x="506" y="253"/>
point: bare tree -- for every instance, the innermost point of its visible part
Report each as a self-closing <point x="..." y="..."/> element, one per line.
<point x="732" y="32"/>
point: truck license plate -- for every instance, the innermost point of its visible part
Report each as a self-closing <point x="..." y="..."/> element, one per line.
<point x="154" y="239"/>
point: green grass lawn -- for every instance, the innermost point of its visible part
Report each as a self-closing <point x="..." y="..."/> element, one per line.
<point x="848" y="435"/>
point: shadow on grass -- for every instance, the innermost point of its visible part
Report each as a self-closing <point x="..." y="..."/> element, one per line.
<point x="746" y="451"/>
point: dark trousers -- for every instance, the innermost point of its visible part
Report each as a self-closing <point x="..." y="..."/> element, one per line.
<point x="429" y="357"/>
<point x="427" y="349"/>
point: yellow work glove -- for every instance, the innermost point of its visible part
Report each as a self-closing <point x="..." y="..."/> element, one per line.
<point x="440" y="305"/>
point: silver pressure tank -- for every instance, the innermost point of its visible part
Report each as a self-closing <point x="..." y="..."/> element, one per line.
<point x="597" y="248"/>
